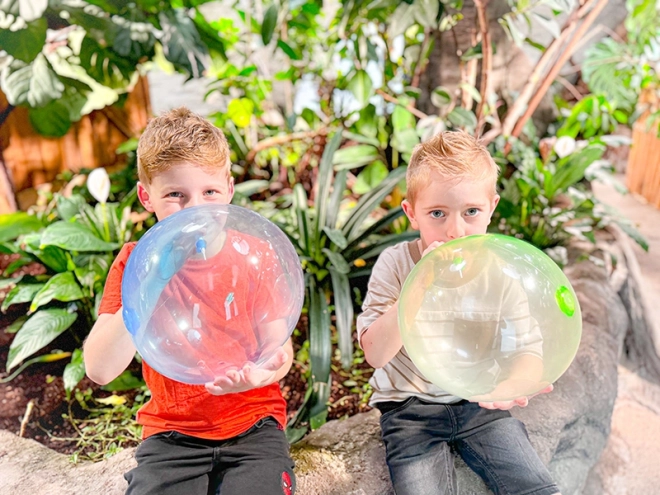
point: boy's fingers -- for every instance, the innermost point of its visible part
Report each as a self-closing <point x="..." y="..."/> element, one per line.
<point x="233" y="376"/>
<point x="275" y="362"/>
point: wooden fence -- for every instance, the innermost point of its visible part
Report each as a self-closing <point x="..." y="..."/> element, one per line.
<point x="643" y="171"/>
<point x="32" y="160"/>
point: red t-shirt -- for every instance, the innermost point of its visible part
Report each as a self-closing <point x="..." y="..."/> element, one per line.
<point x="191" y="409"/>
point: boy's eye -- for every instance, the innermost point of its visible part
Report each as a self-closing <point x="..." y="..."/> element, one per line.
<point x="210" y="192"/>
<point x="437" y="214"/>
<point x="174" y="195"/>
<point x="471" y="212"/>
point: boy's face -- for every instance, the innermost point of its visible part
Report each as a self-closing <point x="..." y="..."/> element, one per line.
<point x="448" y="208"/>
<point x="183" y="185"/>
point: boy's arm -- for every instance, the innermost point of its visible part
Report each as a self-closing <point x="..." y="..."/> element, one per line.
<point x="381" y="341"/>
<point x="378" y="325"/>
<point x="108" y="349"/>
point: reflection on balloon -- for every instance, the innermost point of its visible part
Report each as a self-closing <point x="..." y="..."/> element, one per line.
<point x="489" y="318"/>
<point x="209" y="289"/>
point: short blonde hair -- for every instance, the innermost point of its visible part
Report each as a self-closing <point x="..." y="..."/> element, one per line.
<point x="452" y="154"/>
<point x="180" y="136"/>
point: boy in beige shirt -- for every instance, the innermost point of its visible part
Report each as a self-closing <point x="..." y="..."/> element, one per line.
<point x="451" y="184"/>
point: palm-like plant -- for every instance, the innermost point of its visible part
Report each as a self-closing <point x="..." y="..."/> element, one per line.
<point x="333" y="252"/>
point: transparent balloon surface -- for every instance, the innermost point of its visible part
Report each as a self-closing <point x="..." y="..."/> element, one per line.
<point x="489" y="318"/>
<point x="210" y="289"/>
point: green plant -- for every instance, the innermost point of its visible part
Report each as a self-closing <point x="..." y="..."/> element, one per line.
<point x="546" y="202"/>
<point x="592" y="116"/>
<point x="64" y="58"/>
<point x="620" y="70"/>
<point x="76" y="243"/>
<point x="107" y="425"/>
<point x="331" y="246"/>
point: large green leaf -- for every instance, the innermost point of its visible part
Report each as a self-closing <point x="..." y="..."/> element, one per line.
<point x="572" y="169"/>
<point x="240" y="111"/>
<point x="40" y="330"/>
<point x="62" y="287"/>
<point x="51" y="120"/>
<point x="318" y="412"/>
<point x="25" y="44"/>
<point x="133" y="39"/>
<point x="355" y="156"/>
<point x="336" y="237"/>
<point x="92" y="268"/>
<point x="379" y="224"/>
<point x="324" y="182"/>
<point x="402" y="19"/>
<point x="320" y="345"/>
<point x="22" y="293"/>
<point x="104" y="65"/>
<point x="74" y="371"/>
<point x="74" y="237"/>
<point x="69" y="207"/>
<point x="268" y="26"/>
<point x="8" y="282"/>
<point x="182" y="45"/>
<point x="125" y="381"/>
<point x="426" y="12"/>
<point x="338" y="189"/>
<point x="13" y="225"/>
<point x="341" y="290"/>
<point x="374" y="249"/>
<point x="372" y="175"/>
<point x="338" y="261"/>
<point x="34" y="85"/>
<point x="369" y="202"/>
<point x="209" y="35"/>
<point x="16" y="264"/>
<point x="460" y="117"/>
<point x="361" y="87"/>
<point x="302" y="218"/>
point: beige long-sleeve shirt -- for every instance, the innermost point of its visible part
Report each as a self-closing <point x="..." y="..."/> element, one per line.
<point x="400" y="378"/>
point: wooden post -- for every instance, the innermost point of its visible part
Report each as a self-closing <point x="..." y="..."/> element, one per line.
<point x="643" y="170"/>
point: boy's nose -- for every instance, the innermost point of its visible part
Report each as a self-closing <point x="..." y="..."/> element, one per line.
<point x="194" y="201"/>
<point x="455" y="229"/>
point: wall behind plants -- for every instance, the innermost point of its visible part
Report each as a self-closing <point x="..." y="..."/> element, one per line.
<point x="33" y="159"/>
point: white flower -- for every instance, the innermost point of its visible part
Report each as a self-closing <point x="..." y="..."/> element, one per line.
<point x="564" y="146"/>
<point x="98" y="184"/>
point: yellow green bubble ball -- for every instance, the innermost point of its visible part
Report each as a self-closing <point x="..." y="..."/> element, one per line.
<point x="489" y="318"/>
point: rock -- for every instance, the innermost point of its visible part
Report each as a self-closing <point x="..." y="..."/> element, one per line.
<point x="28" y="467"/>
<point x="343" y="458"/>
<point x="568" y="427"/>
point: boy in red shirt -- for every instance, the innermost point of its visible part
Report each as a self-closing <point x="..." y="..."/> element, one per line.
<point x="225" y="437"/>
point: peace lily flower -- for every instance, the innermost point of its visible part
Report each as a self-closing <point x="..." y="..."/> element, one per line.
<point x="564" y="146"/>
<point x="98" y="184"/>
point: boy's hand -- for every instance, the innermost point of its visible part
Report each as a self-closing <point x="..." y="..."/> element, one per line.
<point x="509" y="404"/>
<point x="431" y="247"/>
<point x="249" y="377"/>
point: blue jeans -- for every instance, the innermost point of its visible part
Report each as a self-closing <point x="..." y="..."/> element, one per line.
<point x="420" y="436"/>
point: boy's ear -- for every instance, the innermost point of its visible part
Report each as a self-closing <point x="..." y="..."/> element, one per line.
<point x="493" y="205"/>
<point x="144" y="197"/>
<point x="410" y="213"/>
<point x="230" y="189"/>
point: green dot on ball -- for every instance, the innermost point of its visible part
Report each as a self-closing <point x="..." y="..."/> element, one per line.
<point x="565" y="300"/>
<point x="458" y="260"/>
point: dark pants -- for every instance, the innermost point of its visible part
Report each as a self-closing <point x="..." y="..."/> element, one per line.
<point x="419" y="437"/>
<point x="256" y="462"/>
